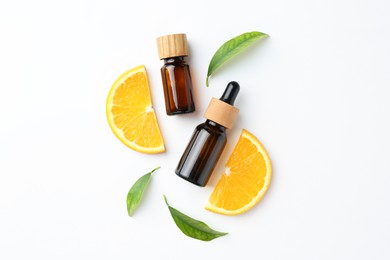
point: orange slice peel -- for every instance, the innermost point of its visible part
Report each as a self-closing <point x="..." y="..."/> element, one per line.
<point x="245" y="180"/>
<point x="130" y="112"/>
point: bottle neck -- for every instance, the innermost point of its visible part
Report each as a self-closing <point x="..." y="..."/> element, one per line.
<point x="171" y="60"/>
<point x="215" y="125"/>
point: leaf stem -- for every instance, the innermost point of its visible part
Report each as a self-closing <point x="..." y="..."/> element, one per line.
<point x="155" y="169"/>
<point x="166" y="201"/>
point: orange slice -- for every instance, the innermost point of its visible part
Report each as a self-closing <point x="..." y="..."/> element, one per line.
<point x="130" y="113"/>
<point x="245" y="180"/>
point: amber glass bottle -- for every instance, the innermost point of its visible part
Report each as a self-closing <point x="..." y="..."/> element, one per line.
<point x="208" y="140"/>
<point x="175" y="74"/>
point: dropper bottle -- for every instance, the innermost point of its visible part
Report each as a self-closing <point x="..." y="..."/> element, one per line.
<point x="209" y="139"/>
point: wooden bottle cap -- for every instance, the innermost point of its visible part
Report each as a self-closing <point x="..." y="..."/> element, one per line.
<point x="172" y="45"/>
<point x="221" y="113"/>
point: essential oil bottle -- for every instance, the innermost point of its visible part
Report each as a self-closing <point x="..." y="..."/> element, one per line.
<point x="175" y="74"/>
<point x="209" y="139"/>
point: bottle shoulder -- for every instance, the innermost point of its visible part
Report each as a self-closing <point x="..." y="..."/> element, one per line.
<point x="175" y="61"/>
<point x="212" y="128"/>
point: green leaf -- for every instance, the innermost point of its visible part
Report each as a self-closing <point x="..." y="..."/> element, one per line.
<point x="192" y="227"/>
<point x="136" y="191"/>
<point x="231" y="48"/>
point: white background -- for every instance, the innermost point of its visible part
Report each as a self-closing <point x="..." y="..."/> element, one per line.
<point x="316" y="93"/>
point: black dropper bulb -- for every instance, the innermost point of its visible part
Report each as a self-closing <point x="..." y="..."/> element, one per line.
<point x="231" y="92"/>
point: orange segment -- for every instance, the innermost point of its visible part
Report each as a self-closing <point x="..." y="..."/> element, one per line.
<point x="130" y="113"/>
<point x="245" y="180"/>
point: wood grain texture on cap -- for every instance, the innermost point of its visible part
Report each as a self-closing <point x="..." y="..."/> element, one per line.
<point x="221" y="113"/>
<point x="172" y="45"/>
